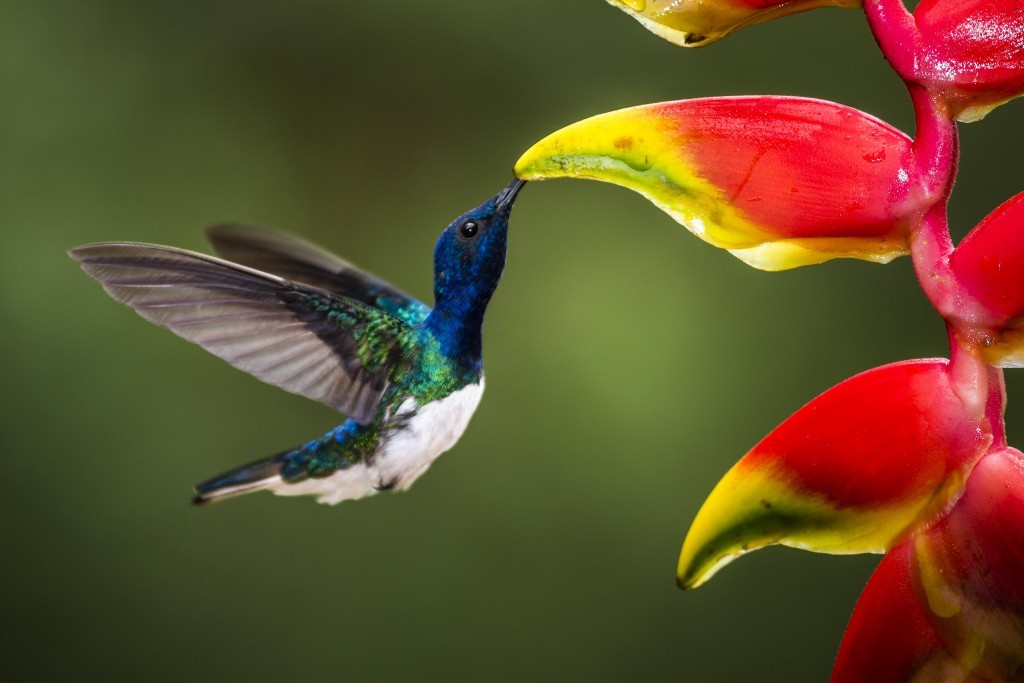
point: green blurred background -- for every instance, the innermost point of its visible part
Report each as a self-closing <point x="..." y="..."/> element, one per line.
<point x="629" y="364"/>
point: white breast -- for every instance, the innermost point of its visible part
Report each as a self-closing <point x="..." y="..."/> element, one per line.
<point x="403" y="454"/>
<point x="434" y="428"/>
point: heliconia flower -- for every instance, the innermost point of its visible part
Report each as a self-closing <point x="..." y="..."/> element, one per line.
<point x="851" y="472"/>
<point x="987" y="267"/>
<point x="692" y="23"/>
<point x="780" y="182"/>
<point x="948" y="603"/>
<point x="968" y="52"/>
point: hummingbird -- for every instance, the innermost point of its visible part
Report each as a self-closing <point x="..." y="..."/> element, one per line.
<point x="292" y="314"/>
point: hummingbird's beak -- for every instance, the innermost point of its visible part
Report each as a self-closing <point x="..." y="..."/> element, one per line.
<point x="505" y="198"/>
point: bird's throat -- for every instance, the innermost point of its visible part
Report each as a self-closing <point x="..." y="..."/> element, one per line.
<point x="457" y="325"/>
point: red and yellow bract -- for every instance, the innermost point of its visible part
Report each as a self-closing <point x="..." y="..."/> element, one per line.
<point x="780" y="182"/>
<point x="852" y="471"/>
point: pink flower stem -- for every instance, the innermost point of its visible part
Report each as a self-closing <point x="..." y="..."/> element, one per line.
<point x="979" y="386"/>
<point x="936" y="144"/>
<point x="936" y="153"/>
<point x="896" y="33"/>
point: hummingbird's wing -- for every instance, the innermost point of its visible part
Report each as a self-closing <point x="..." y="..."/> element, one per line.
<point x="303" y="339"/>
<point x="296" y="259"/>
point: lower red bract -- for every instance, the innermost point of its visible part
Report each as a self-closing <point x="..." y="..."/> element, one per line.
<point x="881" y="437"/>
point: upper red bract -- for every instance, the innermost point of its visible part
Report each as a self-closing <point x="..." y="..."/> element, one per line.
<point x="804" y="168"/>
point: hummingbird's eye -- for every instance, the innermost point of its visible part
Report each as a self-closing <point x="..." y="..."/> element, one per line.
<point x="469" y="230"/>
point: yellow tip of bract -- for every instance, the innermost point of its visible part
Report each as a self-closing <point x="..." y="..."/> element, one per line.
<point x="780" y="182"/>
<point x="693" y="23"/>
<point x="634" y="149"/>
<point x="749" y="510"/>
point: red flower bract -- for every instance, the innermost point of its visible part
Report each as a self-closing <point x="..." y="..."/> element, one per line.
<point x="780" y="182"/>
<point x="852" y="471"/>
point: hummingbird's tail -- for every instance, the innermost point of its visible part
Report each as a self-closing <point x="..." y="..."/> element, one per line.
<point x="332" y="468"/>
<point x="255" y="476"/>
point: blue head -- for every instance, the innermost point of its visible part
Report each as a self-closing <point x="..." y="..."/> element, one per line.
<point x="468" y="261"/>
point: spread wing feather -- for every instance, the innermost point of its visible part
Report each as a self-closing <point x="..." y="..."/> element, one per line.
<point x="303" y="339"/>
<point x="296" y="259"/>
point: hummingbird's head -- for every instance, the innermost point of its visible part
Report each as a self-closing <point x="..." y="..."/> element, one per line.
<point x="470" y="254"/>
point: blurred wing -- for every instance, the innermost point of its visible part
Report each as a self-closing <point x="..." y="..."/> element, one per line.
<point x="296" y="259"/>
<point x="305" y="340"/>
